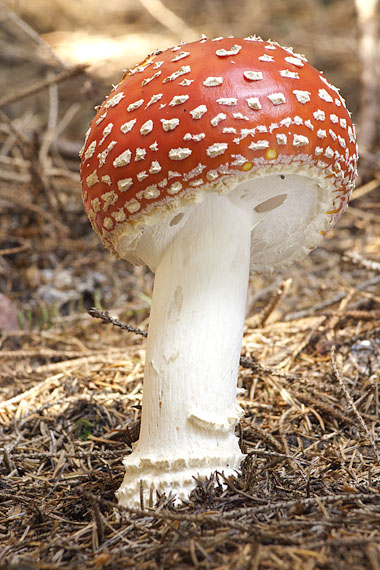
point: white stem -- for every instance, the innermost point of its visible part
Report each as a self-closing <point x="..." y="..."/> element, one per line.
<point x="192" y="358"/>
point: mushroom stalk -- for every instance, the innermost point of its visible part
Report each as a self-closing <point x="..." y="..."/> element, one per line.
<point x="196" y="325"/>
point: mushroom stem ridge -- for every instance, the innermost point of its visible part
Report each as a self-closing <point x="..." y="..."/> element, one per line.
<point x="196" y="325"/>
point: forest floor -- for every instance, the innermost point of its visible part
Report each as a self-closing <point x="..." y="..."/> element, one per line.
<point x="308" y="494"/>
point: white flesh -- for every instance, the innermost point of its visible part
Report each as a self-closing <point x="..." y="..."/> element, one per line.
<point x="196" y="325"/>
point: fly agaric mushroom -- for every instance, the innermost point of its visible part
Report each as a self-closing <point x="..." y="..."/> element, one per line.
<point x="206" y="160"/>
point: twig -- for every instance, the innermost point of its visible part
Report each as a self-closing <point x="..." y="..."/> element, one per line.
<point x="358" y="259"/>
<point x="256" y="367"/>
<point x="66" y="120"/>
<point x="169" y="20"/>
<point x="369" y="334"/>
<point x="106" y="317"/>
<point x="306" y="502"/>
<point x="372" y="554"/>
<point x="55" y="354"/>
<point x="367" y="216"/>
<point x="40" y="85"/>
<point x="38" y="168"/>
<point x="20" y="137"/>
<point x="76" y="362"/>
<point x="104" y="453"/>
<point x="268" y="310"/>
<point x="353" y="405"/>
<point x="29" y="31"/>
<point x="267" y="438"/>
<point x="365" y="189"/>
<point x="332" y="301"/>
<point x="16" y="249"/>
<point x="359" y="315"/>
<point x="329" y="411"/>
<point x="32" y="392"/>
<point x="368" y="53"/>
<point x="335" y="318"/>
<point x="282" y="432"/>
<point x="48" y="216"/>
<point x="49" y="133"/>
<point x="302" y="346"/>
<point x="97" y="517"/>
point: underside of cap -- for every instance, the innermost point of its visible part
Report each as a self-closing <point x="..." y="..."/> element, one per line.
<point x="293" y="207"/>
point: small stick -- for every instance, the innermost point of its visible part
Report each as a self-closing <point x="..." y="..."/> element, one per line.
<point x="106" y="317"/>
<point x="267" y="438"/>
<point x="368" y="54"/>
<point x="336" y="299"/>
<point x="358" y="259"/>
<point x="329" y="411"/>
<point x="365" y="189"/>
<point x="97" y="517"/>
<point x="170" y="20"/>
<point x="359" y="315"/>
<point x="20" y="137"/>
<point x="32" y="392"/>
<point x="334" y="320"/>
<point x="352" y="404"/>
<point x="284" y="441"/>
<point x="268" y="310"/>
<point x="49" y="133"/>
<point x="31" y="32"/>
<point x="48" y="216"/>
<point x="16" y="249"/>
<point x="40" y="85"/>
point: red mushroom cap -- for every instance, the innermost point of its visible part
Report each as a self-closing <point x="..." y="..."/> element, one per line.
<point x="207" y="115"/>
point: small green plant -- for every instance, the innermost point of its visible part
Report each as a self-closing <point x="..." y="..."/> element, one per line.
<point x="41" y="316"/>
<point x="98" y="299"/>
<point x="83" y="428"/>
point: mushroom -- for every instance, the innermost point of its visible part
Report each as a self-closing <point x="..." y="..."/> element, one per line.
<point x="206" y="160"/>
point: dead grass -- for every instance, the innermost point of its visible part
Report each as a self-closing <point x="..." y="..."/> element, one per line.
<point x="71" y="386"/>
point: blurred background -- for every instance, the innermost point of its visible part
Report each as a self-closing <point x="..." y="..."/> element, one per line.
<point x="59" y="58"/>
